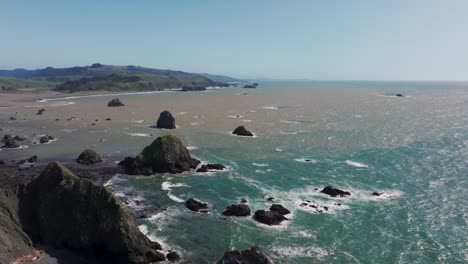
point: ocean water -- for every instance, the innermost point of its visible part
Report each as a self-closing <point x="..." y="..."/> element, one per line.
<point x="353" y="135"/>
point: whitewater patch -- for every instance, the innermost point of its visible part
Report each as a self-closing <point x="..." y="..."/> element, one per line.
<point x="356" y="164"/>
<point x="278" y="149"/>
<point x="306" y="160"/>
<point x="247" y="121"/>
<point x="260" y="164"/>
<point x="235" y="116"/>
<point x="301" y="251"/>
<point x="192" y="147"/>
<point x="45" y="100"/>
<point x="291" y="121"/>
<point x="167" y="186"/>
<point x="138" y="134"/>
<point x="270" y="107"/>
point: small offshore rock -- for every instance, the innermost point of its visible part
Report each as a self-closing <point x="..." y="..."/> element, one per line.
<point x="269" y="217"/>
<point x="237" y="210"/>
<point x="173" y="256"/>
<point x="208" y="167"/>
<point x="252" y="255"/>
<point x="115" y="102"/>
<point x="334" y="192"/>
<point x="166" y="120"/>
<point x="241" y="131"/>
<point x="41" y="111"/>
<point x="280" y="209"/>
<point x="195" y="205"/>
<point x="89" y="157"/>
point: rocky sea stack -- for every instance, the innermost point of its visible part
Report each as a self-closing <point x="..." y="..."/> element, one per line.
<point x="269" y="217"/>
<point x="196" y="206"/>
<point x="252" y="255"/>
<point x="166" y="120"/>
<point x="115" y="102"/>
<point x="89" y="157"/>
<point x="237" y="210"/>
<point x="165" y="154"/>
<point x="241" y="131"/>
<point x="334" y="192"/>
<point x="61" y="210"/>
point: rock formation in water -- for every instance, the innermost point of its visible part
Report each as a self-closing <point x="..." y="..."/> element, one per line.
<point x="45" y="139"/>
<point x="280" y="209"/>
<point x="115" y="102"/>
<point x="165" y="154"/>
<point x="252" y="255"/>
<point x="399" y="95"/>
<point x="241" y="131"/>
<point x="211" y="167"/>
<point x="196" y="206"/>
<point x="63" y="211"/>
<point x="237" y="210"/>
<point x="11" y="142"/>
<point x="166" y="120"/>
<point x="41" y="111"/>
<point x="89" y="157"/>
<point x="269" y="217"/>
<point x="334" y="192"/>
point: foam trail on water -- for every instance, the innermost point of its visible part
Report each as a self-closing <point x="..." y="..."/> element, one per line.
<point x="356" y="164"/>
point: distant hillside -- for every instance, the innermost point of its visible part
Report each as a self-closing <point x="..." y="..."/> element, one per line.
<point x="12" y="83"/>
<point x="222" y="78"/>
<point x="110" y="77"/>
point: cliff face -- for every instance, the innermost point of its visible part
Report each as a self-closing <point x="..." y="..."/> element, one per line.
<point x="61" y="210"/>
<point x="14" y="243"/>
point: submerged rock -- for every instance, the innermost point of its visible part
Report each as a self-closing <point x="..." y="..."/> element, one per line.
<point x="115" y="102"/>
<point x="166" y="120"/>
<point x="269" y="217"/>
<point x="89" y="157"/>
<point x="45" y="139"/>
<point x="252" y="255"/>
<point x="64" y="211"/>
<point x="196" y="206"/>
<point x="280" y="209"/>
<point x="173" y="256"/>
<point x="241" y="131"/>
<point x="208" y="167"/>
<point x="333" y="192"/>
<point x="237" y="210"/>
<point x="167" y="154"/>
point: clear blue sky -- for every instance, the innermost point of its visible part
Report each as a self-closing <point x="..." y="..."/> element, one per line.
<point x="309" y="39"/>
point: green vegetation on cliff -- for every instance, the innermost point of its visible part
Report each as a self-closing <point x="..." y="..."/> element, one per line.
<point x="12" y="83"/>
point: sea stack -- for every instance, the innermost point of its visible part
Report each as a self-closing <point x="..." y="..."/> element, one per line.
<point x="166" y="120"/>
<point x="115" y="102"/>
<point x="165" y="154"/>
<point x="61" y="210"/>
<point x="248" y="256"/>
<point x="89" y="157"/>
<point x="241" y="131"/>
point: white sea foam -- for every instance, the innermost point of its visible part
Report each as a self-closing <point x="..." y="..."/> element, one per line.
<point x="235" y="116"/>
<point x="356" y="164"/>
<point x="302" y="251"/>
<point x="138" y="134"/>
<point x="247" y="121"/>
<point x="278" y="149"/>
<point x="139" y="121"/>
<point x="192" y="147"/>
<point x="306" y="160"/>
<point x="290" y="121"/>
<point x="270" y="107"/>
<point x="167" y="186"/>
<point x="260" y="164"/>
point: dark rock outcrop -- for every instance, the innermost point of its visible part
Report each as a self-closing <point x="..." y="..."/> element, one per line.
<point x="241" y="131"/>
<point x="173" y="256"/>
<point x="280" y="209"/>
<point x="11" y="142"/>
<point x="41" y="111"/>
<point x="252" y="255"/>
<point x="61" y="210"/>
<point x="399" y="95"/>
<point x="167" y="154"/>
<point x="89" y="157"/>
<point x="193" y="88"/>
<point x="134" y="166"/>
<point x="269" y="217"/>
<point x="334" y="192"/>
<point x="196" y="206"/>
<point x="377" y="193"/>
<point x="250" y="86"/>
<point x="115" y="102"/>
<point x="208" y="167"/>
<point x="32" y="159"/>
<point x="14" y="242"/>
<point x="45" y="139"/>
<point x="166" y="120"/>
<point x="237" y="210"/>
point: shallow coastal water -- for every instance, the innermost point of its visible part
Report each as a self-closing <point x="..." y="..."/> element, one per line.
<point x="355" y="136"/>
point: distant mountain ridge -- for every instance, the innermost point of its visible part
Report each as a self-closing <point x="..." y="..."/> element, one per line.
<point x="110" y="77"/>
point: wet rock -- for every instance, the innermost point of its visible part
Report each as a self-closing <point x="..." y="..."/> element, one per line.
<point x="108" y="119"/>
<point x="250" y="86"/>
<point x="241" y="131"/>
<point x="166" y="120"/>
<point x="173" y="256"/>
<point x="334" y="192"/>
<point x="377" y="193"/>
<point x="237" y="210"/>
<point x="270" y="199"/>
<point x="252" y="255"/>
<point x="195" y="205"/>
<point x="269" y="217"/>
<point x="399" y="95"/>
<point x="89" y="157"/>
<point x="2" y="162"/>
<point x="280" y="209"/>
<point x="115" y="102"/>
<point x="134" y="166"/>
<point x="12" y="118"/>
<point x="61" y="210"/>
<point x="41" y="111"/>
<point x="208" y="167"/>
<point x="243" y="200"/>
<point x="11" y="142"/>
<point x="45" y="139"/>
<point x="32" y="159"/>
